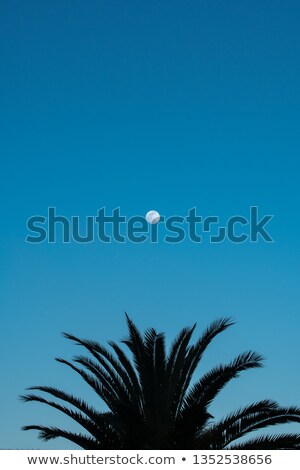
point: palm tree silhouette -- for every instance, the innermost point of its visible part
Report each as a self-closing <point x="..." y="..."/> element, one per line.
<point x="151" y="402"/>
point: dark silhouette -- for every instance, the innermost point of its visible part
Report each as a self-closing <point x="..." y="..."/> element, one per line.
<point x="151" y="402"/>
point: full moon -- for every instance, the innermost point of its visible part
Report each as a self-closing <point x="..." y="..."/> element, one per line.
<point x="152" y="217"/>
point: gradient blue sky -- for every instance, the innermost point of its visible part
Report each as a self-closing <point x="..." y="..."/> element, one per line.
<point x="159" y="105"/>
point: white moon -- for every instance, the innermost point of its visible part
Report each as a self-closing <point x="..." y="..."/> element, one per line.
<point x="152" y="217"/>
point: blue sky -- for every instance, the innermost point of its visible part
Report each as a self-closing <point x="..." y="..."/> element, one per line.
<point x="147" y="105"/>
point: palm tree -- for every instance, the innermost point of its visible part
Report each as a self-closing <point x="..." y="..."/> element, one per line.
<point x="151" y="402"/>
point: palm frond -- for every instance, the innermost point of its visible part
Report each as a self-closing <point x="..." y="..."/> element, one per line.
<point x="194" y="410"/>
<point x="106" y="360"/>
<point x="153" y="382"/>
<point x="206" y="389"/>
<point x="69" y="398"/>
<point x="107" y="395"/>
<point x="214" y="436"/>
<point x="123" y="359"/>
<point x="174" y="368"/>
<point x="259" y="420"/>
<point x="48" y="433"/>
<point x="136" y="344"/>
<point x="195" y="354"/>
<point x="273" y="442"/>
<point x="111" y="383"/>
<point x="86" y="423"/>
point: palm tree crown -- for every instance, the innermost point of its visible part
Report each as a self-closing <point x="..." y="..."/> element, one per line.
<point x="151" y="402"/>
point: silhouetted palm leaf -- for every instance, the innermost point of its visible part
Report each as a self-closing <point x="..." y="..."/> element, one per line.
<point x="196" y="352"/>
<point x="282" y="441"/>
<point x="48" y="433"/>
